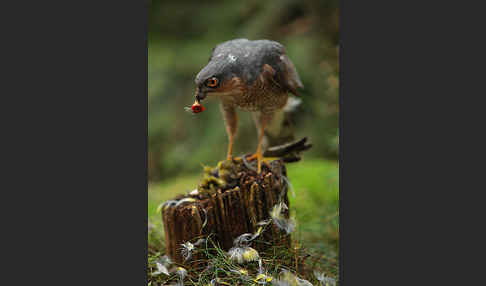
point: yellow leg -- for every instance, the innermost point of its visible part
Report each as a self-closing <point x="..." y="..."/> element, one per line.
<point x="261" y="121"/>
<point x="231" y="122"/>
<point x="259" y="160"/>
<point x="229" y="157"/>
<point x="258" y="153"/>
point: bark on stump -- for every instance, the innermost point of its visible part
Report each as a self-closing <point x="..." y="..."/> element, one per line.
<point x="229" y="202"/>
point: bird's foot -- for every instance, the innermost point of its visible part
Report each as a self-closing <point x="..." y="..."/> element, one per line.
<point x="259" y="167"/>
<point x="252" y="157"/>
<point x="259" y="158"/>
<point x="247" y="164"/>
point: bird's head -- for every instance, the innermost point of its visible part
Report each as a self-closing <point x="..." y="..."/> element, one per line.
<point x="210" y="81"/>
<point x="225" y="75"/>
<point x="218" y="78"/>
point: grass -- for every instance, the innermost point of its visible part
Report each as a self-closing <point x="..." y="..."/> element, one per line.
<point x="315" y="240"/>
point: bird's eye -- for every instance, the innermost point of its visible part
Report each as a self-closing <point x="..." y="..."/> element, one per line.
<point x="212" y="82"/>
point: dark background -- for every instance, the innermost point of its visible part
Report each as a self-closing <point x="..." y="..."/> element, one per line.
<point x="74" y="194"/>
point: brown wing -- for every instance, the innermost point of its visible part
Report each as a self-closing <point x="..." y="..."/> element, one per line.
<point x="290" y="77"/>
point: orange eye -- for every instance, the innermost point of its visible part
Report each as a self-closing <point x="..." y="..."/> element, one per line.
<point x="212" y="82"/>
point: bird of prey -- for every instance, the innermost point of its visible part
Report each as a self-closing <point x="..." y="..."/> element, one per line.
<point x="254" y="76"/>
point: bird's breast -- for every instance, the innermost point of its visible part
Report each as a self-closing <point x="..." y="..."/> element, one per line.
<point x="260" y="96"/>
<point x="260" y="101"/>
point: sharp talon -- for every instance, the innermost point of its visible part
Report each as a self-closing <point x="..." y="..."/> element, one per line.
<point x="252" y="157"/>
<point x="247" y="164"/>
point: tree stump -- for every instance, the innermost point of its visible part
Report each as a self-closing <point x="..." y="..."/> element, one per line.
<point x="230" y="201"/>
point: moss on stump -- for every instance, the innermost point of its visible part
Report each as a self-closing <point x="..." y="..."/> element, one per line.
<point x="231" y="199"/>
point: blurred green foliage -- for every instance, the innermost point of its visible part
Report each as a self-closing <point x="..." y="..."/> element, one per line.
<point x="181" y="37"/>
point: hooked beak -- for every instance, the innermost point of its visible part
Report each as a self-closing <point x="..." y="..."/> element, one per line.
<point x="200" y="95"/>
